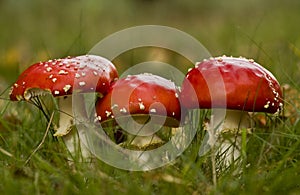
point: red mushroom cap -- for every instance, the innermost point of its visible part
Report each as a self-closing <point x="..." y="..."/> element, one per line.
<point x="248" y="86"/>
<point x="61" y="76"/>
<point x="140" y="95"/>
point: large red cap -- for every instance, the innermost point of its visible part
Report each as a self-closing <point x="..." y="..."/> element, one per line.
<point x="61" y="76"/>
<point x="247" y="86"/>
<point x="141" y="94"/>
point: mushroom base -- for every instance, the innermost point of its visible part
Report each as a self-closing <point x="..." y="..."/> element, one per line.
<point x="228" y="143"/>
<point x="75" y="143"/>
<point x="66" y="127"/>
<point x="140" y="130"/>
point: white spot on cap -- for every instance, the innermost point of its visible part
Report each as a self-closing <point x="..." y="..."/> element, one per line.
<point x="62" y="72"/>
<point x="98" y="118"/>
<point x="56" y="92"/>
<point x="82" y="83"/>
<point x="108" y="113"/>
<point x="54" y="80"/>
<point x="50" y="76"/>
<point x="77" y="75"/>
<point x="220" y="59"/>
<point x="178" y="88"/>
<point x="251" y="60"/>
<point x="267" y="105"/>
<point x="48" y="69"/>
<point x="153" y="110"/>
<point x="114" y="106"/>
<point x="123" y="110"/>
<point x="67" y="88"/>
<point x="142" y="106"/>
<point x="83" y="74"/>
<point x="16" y="85"/>
<point x="10" y="90"/>
<point x="81" y="66"/>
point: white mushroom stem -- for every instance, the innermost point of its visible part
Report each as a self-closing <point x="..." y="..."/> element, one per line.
<point x="66" y="123"/>
<point x="228" y="137"/>
<point x="65" y="115"/>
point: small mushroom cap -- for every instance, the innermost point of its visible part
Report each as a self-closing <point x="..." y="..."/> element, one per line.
<point x="248" y="86"/>
<point x="139" y="96"/>
<point x="61" y="76"/>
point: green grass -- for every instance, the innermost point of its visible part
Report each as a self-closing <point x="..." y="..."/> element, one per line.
<point x="266" y="31"/>
<point x="271" y="164"/>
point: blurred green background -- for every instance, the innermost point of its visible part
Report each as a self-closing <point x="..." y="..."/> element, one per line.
<point x="267" y="31"/>
<point x="36" y="30"/>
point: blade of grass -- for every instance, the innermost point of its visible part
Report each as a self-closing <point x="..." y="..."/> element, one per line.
<point x="42" y="141"/>
<point x="6" y="152"/>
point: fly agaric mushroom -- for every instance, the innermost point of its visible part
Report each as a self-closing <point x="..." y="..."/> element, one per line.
<point x="62" y="77"/>
<point x="249" y="87"/>
<point x="139" y="101"/>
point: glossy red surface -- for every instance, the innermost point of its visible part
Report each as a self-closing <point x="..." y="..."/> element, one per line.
<point x="62" y="76"/>
<point x="140" y="94"/>
<point x="233" y="83"/>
